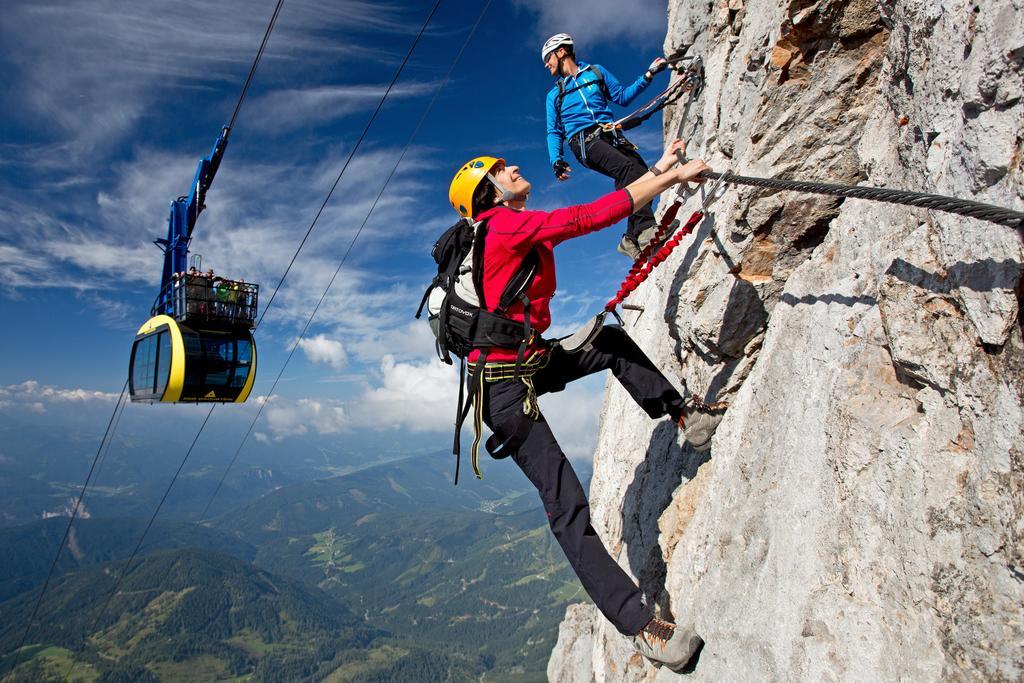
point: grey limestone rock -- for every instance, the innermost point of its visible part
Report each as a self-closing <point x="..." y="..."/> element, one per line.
<point x="861" y="513"/>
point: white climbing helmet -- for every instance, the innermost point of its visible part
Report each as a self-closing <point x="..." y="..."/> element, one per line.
<point x="553" y="43"/>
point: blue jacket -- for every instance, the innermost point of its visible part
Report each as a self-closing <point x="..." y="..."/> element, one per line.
<point x="586" y="106"/>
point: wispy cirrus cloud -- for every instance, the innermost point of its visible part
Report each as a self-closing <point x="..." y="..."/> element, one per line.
<point x="91" y="68"/>
<point x="282" y="111"/>
<point x="642" y="22"/>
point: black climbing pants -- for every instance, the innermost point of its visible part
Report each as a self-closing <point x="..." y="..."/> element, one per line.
<point x="618" y="160"/>
<point x="543" y="462"/>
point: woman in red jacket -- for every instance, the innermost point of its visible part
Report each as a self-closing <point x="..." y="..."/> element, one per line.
<point x="486" y="188"/>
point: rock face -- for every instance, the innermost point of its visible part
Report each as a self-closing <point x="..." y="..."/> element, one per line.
<point x="861" y="513"/>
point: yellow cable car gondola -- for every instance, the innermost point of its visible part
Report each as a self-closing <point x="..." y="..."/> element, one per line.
<point x="204" y="357"/>
<point x="197" y="345"/>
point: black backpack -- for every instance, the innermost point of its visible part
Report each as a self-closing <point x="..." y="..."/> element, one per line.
<point x="458" y="315"/>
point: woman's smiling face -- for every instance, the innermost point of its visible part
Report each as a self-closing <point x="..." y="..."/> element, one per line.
<point x="510" y="179"/>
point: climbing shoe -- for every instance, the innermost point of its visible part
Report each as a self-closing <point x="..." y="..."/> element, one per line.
<point x="699" y="422"/>
<point x="629" y="247"/>
<point x="647" y="235"/>
<point x="666" y="644"/>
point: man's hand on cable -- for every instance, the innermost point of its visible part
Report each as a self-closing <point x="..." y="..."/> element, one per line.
<point x="657" y="66"/>
<point x="691" y="171"/>
<point x="651" y="184"/>
<point x="669" y="157"/>
<point x="561" y="169"/>
<point x="674" y="153"/>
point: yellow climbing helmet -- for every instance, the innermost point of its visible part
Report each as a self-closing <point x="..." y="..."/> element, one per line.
<point x="466" y="180"/>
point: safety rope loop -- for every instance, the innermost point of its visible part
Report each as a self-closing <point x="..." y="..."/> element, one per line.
<point x="936" y="202"/>
<point x="634" y="280"/>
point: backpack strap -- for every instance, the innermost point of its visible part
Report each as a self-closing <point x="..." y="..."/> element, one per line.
<point x="426" y="296"/>
<point x="562" y="92"/>
<point x="515" y="290"/>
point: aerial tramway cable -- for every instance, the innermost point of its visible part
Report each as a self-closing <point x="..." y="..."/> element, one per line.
<point x="142" y="538"/>
<point x="127" y="566"/>
<point x="387" y="181"/>
<point x="107" y="433"/>
<point x="348" y="160"/>
<point x="255" y="62"/>
<point x="120" y="405"/>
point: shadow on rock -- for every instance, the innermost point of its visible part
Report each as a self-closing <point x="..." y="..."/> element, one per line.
<point x="985" y="275"/>
<point x="648" y="495"/>
<point x="842" y="299"/>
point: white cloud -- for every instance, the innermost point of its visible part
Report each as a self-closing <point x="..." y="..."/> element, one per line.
<point x="294" y="418"/>
<point x="32" y="393"/>
<point x="420" y="397"/>
<point x="573" y="415"/>
<point x="409" y="341"/>
<point x="642" y="22"/>
<point x="320" y="349"/>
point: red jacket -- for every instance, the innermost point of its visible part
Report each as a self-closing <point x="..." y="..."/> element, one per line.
<point x="510" y="236"/>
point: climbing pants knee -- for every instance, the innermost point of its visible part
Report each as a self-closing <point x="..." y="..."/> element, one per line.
<point x="542" y="460"/>
<point x="621" y="163"/>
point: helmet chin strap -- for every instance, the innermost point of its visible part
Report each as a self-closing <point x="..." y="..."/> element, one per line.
<point x="506" y="194"/>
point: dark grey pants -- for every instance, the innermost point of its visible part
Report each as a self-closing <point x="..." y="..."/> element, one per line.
<point x="621" y="163"/>
<point x="543" y="462"/>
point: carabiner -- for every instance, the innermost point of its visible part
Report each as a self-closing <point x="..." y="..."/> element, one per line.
<point x="715" y="192"/>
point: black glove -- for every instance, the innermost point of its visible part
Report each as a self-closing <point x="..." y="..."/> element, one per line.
<point x="560" y="168"/>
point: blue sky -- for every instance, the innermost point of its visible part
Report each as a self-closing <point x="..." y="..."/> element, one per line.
<point x="107" y="107"/>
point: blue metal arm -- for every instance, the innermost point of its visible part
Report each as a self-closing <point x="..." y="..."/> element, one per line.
<point x="182" y="218"/>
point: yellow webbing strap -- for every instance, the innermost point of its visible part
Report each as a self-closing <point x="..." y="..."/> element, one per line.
<point x="478" y="428"/>
<point x="496" y="372"/>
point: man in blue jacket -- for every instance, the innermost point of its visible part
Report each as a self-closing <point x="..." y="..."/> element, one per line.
<point x="578" y="112"/>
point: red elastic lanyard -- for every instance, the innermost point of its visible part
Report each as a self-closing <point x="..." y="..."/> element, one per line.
<point x="645" y="263"/>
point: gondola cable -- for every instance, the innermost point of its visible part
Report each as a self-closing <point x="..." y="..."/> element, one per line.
<point x="394" y="168"/>
<point x="348" y="160"/>
<point x="312" y="225"/>
<point x="255" y="62"/>
<point x="107" y="434"/>
<point x="115" y="418"/>
<point x="135" y="551"/>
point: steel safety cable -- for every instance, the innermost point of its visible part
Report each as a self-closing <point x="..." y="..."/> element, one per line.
<point x="666" y="97"/>
<point x="401" y="157"/>
<point x="145" y="532"/>
<point x="936" y="202"/>
<point x="348" y="160"/>
<point x="107" y="435"/>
